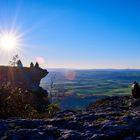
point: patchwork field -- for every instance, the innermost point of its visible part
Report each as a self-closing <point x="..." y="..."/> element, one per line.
<point x="84" y="85"/>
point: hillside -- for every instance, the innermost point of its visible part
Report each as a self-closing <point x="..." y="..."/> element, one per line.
<point x="107" y="119"/>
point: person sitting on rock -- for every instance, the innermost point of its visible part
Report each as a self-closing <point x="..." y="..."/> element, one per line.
<point x="36" y="65"/>
<point x="31" y="65"/>
<point x="135" y="90"/>
<point x="19" y="64"/>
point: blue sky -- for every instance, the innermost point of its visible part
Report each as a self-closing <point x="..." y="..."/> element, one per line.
<point x="75" y="33"/>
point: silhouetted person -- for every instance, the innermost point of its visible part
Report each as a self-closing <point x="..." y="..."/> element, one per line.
<point x="31" y="65"/>
<point x="19" y="64"/>
<point x="36" y="65"/>
<point x="135" y="90"/>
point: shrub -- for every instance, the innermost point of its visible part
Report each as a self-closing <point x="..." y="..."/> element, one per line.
<point x="15" y="102"/>
<point x="52" y="109"/>
<point x="20" y="102"/>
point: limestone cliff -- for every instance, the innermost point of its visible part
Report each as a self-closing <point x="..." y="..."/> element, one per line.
<point x="24" y="77"/>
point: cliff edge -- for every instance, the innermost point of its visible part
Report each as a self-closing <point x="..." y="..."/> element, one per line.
<point x="24" y="77"/>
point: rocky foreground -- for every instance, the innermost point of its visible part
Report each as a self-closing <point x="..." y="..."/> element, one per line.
<point x="109" y="119"/>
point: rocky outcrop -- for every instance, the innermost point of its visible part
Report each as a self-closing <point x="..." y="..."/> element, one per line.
<point x="22" y="76"/>
<point x="22" y="84"/>
<point x="111" y="118"/>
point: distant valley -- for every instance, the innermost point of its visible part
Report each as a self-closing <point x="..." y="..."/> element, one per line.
<point x="77" y="88"/>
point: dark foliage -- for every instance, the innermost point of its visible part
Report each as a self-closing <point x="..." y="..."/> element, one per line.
<point x="14" y="60"/>
<point x="18" y="102"/>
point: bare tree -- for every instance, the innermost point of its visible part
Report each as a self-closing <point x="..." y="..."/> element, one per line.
<point x="55" y="92"/>
<point x="52" y="86"/>
<point x="14" y="60"/>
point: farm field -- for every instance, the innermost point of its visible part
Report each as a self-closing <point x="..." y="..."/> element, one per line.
<point x="86" y="85"/>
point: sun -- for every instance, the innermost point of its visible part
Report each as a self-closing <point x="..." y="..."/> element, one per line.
<point x="8" y="42"/>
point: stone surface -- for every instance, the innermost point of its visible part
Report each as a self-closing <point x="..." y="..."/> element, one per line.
<point x="108" y="119"/>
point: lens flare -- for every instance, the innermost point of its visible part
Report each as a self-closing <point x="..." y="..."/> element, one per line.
<point x="70" y="75"/>
<point x="40" y="60"/>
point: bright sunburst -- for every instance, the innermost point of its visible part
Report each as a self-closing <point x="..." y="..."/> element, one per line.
<point x="8" y="42"/>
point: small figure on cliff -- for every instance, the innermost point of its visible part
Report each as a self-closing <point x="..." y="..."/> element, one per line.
<point x="36" y="65"/>
<point x="31" y="65"/>
<point x="135" y="90"/>
<point x="19" y="64"/>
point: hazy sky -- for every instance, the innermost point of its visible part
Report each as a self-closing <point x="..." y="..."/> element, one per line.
<point x="74" y="33"/>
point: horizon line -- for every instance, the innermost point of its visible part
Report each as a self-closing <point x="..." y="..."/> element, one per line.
<point x="94" y="68"/>
<point x="68" y="68"/>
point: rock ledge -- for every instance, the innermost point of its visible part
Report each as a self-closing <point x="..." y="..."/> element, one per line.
<point x="108" y="119"/>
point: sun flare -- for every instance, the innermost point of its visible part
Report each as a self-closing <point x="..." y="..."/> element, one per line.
<point x="8" y="42"/>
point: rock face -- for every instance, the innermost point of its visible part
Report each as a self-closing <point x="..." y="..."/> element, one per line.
<point x="24" y="82"/>
<point x="108" y="119"/>
<point x="24" y="77"/>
